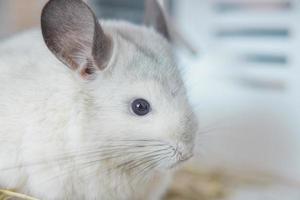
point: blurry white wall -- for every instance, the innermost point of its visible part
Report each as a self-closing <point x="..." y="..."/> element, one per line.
<point x="245" y="82"/>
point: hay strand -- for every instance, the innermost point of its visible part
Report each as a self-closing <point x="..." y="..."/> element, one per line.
<point x="7" y="195"/>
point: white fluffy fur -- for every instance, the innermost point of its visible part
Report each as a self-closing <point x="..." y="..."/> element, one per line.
<point x="52" y="120"/>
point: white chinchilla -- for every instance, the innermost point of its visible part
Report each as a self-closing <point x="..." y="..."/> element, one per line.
<point x="101" y="113"/>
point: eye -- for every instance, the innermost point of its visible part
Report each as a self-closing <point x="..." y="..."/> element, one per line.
<point x="140" y="107"/>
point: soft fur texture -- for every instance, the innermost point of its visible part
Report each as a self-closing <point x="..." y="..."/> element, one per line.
<point x="66" y="137"/>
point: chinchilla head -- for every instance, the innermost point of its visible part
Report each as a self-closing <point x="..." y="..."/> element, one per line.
<point x="137" y="114"/>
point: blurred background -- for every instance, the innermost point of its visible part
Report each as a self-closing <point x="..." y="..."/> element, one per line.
<point x="241" y="64"/>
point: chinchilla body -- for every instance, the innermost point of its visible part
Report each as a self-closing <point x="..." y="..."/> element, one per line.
<point x="94" y="112"/>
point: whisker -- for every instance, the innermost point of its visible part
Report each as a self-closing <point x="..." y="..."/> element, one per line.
<point x="98" y="160"/>
<point x="131" y="163"/>
<point x="141" y="161"/>
<point x="150" y="167"/>
<point x="143" y="154"/>
<point x="71" y="155"/>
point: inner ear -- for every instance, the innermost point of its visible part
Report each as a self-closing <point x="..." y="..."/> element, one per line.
<point x="73" y="34"/>
<point x="155" y="16"/>
<point x="87" y="70"/>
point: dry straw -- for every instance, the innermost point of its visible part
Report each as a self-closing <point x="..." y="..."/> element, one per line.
<point x="8" y="195"/>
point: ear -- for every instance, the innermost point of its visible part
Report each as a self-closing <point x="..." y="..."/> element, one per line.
<point x="155" y="16"/>
<point x="74" y="35"/>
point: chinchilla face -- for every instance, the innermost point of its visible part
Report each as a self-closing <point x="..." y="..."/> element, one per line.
<point x="138" y="117"/>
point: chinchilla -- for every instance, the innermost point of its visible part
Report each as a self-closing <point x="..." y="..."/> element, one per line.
<point x="92" y="110"/>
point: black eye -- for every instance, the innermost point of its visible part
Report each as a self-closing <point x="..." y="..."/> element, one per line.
<point x="140" y="107"/>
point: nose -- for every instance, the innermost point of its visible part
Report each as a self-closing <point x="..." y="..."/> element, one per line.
<point x="187" y="156"/>
<point x="185" y="150"/>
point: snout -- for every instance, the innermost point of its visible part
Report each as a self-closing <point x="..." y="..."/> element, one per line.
<point x="186" y="144"/>
<point x="183" y="137"/>
<point x="182" y="153"/>
<point x="185" y="151"/>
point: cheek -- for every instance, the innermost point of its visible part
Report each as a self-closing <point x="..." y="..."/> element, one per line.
<point x="164" y="126"/>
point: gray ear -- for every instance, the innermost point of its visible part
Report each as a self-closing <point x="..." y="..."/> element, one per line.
<point x="156" y="17"/>
<point x="74" y="35"/>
